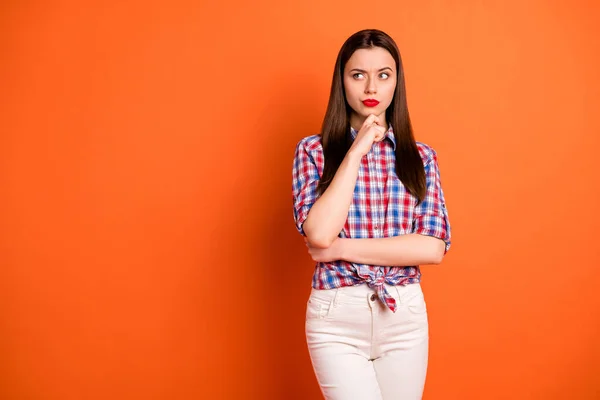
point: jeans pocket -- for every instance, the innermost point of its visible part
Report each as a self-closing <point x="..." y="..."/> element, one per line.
<point x="318" y="307"/>
<point x="416" y="304"/>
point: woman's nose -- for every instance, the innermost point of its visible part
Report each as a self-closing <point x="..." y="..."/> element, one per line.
<point x="370" y="88"/>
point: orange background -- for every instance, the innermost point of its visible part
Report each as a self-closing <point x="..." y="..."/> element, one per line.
<point x="148" y="249"/>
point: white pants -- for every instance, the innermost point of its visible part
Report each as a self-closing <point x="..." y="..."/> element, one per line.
<point x="361" y="350"/>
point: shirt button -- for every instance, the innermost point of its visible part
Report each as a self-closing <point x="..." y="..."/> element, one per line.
<point x="373" y="297"/>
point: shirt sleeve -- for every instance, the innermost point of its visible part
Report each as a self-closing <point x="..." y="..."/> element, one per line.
<point x="431" y="216"/>
<point x="305" y="178"/>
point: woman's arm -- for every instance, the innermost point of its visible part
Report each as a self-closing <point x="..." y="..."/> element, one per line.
<point x="321" y="218"/>
<point x="328" y="214"/>
<point x="404" y="250"/>
<point x="427" y="244"/>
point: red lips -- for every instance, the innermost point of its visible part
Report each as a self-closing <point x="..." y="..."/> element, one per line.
<point x="370" y="102"/>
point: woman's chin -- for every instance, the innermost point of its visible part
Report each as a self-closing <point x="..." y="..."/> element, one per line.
<point x="364" y="111"/>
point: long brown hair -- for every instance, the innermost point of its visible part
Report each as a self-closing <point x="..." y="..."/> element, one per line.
<point x="336" y="124"/>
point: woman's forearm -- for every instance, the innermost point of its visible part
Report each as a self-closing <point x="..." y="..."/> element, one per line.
<point x="328" y="215"/>
<point x="404" y="250"/>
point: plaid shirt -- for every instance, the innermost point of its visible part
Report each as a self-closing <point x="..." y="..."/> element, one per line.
<point x="381" y="207"/>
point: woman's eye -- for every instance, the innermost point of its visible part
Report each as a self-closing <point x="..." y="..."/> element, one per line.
<point x="357" y="75"/>
<point x="384" y="75"/>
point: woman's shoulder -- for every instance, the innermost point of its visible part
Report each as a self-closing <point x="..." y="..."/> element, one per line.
<point x="427" y="152"/>
<point x="310" y="143"/>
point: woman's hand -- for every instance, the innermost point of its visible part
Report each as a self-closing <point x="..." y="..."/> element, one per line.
<point x="331" y="253"/>
<point x="370" y="132"/>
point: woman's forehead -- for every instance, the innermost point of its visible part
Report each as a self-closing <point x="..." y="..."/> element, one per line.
<point x="372" y="58"/>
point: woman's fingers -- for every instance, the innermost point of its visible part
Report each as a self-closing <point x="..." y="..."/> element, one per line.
<point x="379" y="133"/>
<point x="371" y="119"/>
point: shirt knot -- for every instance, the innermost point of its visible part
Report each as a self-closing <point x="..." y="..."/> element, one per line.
<point x="376" y="282"/>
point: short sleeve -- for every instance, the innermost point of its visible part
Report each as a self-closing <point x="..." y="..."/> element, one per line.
<point x="431" y="216"/>
<point x="305" y="178"/>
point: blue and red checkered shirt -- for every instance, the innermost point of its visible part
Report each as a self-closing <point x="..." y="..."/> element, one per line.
<point x="381" y="207"/>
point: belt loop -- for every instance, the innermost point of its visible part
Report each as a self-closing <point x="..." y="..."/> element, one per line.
<point x="336" y="297"/>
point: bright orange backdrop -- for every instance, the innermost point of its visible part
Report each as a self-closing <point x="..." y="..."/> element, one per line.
<point x="147" y="243"/>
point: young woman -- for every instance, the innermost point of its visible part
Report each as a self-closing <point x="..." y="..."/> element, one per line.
<point x="368" y="199"/>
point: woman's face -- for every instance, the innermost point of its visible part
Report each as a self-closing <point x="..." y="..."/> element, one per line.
<point x="370" y="82"/>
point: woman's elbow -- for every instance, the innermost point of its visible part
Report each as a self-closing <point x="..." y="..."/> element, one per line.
<point x="437" y="259"/>
<point x="316" y="238"/>
<point x="438" y="251"/>
<point x="319" y="242"/>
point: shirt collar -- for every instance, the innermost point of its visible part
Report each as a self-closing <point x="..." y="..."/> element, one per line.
<point x="389" y="135"/>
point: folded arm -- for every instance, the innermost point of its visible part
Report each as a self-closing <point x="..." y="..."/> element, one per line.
<point x="426" y="244"/>
<point x="322" y="218"/>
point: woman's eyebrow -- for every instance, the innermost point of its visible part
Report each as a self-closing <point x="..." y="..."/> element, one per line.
<point x="362" y="70"/>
